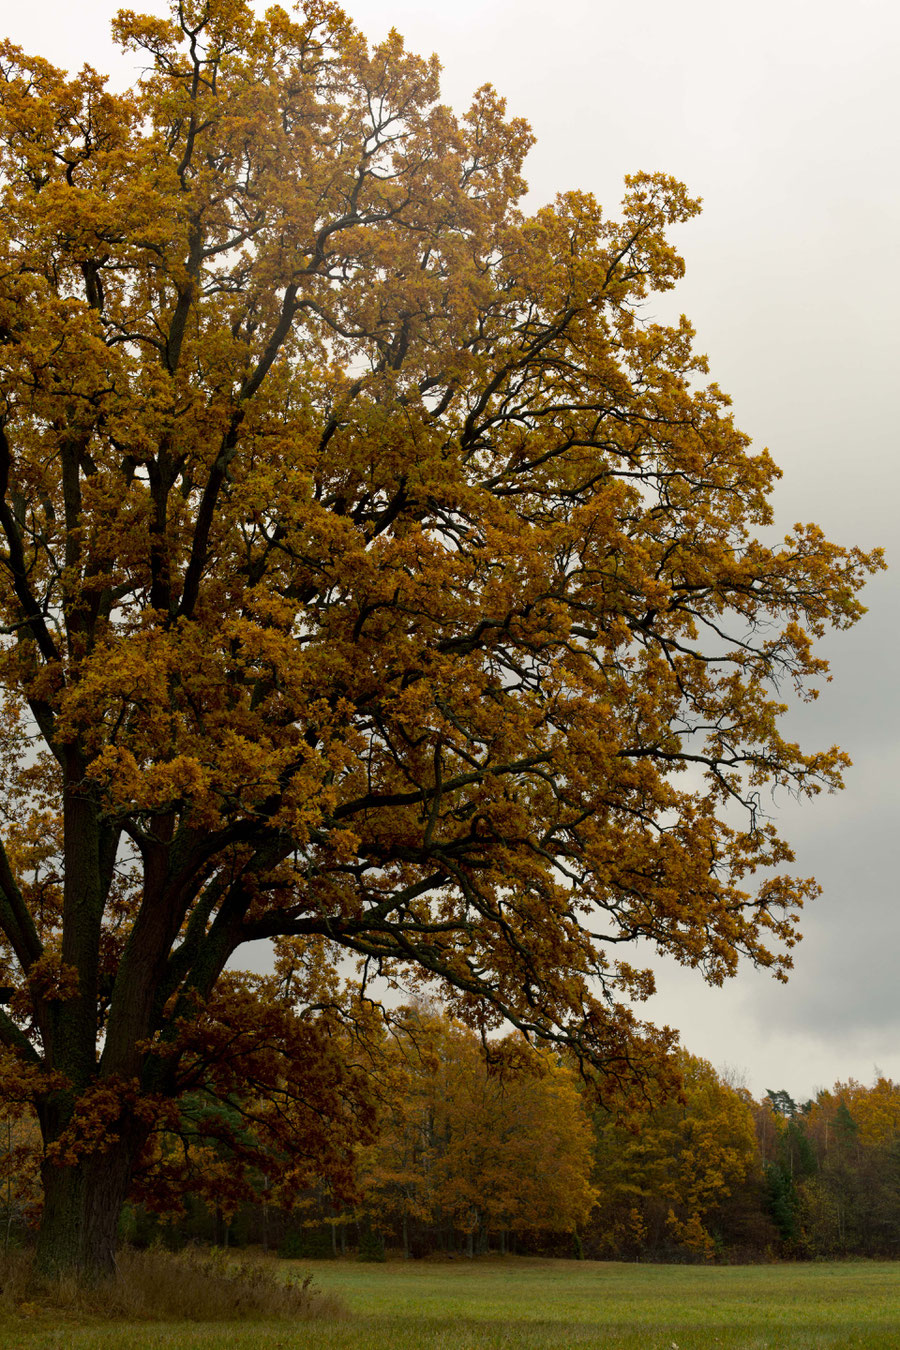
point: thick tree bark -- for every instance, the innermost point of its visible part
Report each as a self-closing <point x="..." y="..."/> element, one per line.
<point x="82" y="1201"/>
<point x="82" y="1205"/>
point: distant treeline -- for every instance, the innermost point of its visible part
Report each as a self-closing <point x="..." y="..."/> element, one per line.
<point x="495" y="1146"/>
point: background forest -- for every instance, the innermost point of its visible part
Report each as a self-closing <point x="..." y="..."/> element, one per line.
<point x="477" y="1147"/>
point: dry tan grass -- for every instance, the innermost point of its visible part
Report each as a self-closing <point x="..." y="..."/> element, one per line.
<point x="193" y="1285"/>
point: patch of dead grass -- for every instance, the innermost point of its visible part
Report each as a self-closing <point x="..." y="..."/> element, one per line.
<point x="157" y="1285"/>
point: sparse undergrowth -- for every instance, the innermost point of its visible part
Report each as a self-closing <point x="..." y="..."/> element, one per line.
<point x="192" y="1285"/>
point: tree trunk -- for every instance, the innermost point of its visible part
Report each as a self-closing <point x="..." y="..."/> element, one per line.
<point x="80" y="1222"/>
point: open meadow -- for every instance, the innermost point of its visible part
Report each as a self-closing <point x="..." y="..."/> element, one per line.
<point x="531" y="1304"/>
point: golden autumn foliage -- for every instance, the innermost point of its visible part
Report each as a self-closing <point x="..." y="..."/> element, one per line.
<point x="875" y="1112"/>
<point x="662" y="1174"/>
<point x="476" y="1140"/>
<point x="375" y="578"/>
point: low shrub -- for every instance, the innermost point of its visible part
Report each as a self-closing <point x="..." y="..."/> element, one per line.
<point x="191" y="1285"/>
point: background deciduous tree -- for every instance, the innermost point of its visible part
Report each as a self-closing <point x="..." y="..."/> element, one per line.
<point x="664" y="1176"/>
<point x="376" y="577"/>
<point x="477" y="1142"/>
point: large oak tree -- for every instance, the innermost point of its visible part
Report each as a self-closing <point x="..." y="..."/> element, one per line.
<point x="376" y="577"/>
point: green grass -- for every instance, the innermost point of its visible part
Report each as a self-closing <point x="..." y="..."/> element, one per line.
<point x="521" y="1304"/>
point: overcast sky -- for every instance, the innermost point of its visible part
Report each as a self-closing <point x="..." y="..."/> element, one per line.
<point x="785" y="117"/>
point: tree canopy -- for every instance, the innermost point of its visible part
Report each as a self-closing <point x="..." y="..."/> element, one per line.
<point x="377" y="577"/>
<point x="474" y="1142"/>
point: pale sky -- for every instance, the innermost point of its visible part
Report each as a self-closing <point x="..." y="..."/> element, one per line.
<point x="785" y="117"/>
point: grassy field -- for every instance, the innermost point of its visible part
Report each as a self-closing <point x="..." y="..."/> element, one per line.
<point x="521" y="1304"/>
